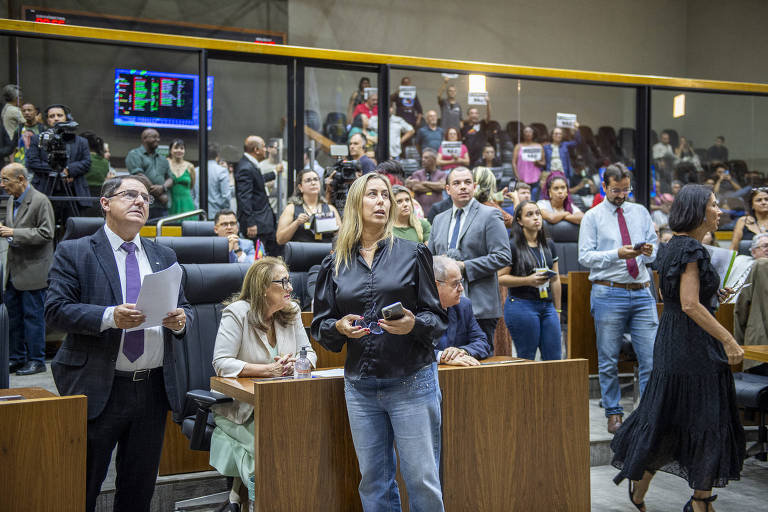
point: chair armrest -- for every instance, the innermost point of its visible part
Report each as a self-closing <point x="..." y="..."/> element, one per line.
<point x="205" y="399"/>
<point x="200" y="438"/>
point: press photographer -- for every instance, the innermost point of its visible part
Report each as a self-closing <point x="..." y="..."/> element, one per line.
<point x="339" y="177"/>
<point x="59" y="160"/>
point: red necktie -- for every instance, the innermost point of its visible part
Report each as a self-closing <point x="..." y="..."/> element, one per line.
<point x="625" y="240"/>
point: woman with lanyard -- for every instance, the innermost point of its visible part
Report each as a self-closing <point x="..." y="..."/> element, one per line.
<point x="390" y="374"/>
<point x="532" y="311"/>
<point x="295" y="224"/>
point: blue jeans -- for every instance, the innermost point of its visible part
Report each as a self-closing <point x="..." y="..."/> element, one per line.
<point x="26" y="319"/>
<point x="617" y="311"/>
<point x="404" y="410"/>
<point x="534" y="324"/>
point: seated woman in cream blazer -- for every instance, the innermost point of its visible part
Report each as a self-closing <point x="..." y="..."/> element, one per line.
<point x="260" y="335"/>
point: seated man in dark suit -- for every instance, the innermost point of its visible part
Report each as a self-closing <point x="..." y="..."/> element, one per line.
<point x="128" y="377"/>
<point x="464" y="342"/>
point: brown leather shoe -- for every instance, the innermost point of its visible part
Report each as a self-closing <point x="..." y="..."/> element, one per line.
<point x="614" y="423"/>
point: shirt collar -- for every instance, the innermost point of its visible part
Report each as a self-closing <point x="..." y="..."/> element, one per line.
<point x="252" y="159"/>
<point x="465" y="209"/>
<point x="115" y="241"/>
<point x="19" y="199"/>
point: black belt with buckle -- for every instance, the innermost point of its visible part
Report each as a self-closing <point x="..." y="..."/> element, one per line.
<point x="138" y="375"/>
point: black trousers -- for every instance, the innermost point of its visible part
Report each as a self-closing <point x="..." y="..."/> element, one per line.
<point x="488" y="325"/>
<point x="134" y="421"/>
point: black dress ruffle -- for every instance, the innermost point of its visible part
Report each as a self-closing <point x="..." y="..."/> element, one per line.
<point x="687" y="423"/>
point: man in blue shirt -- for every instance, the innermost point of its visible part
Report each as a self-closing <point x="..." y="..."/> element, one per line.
<point x="464" y="342"/>
<point x="241" y="250"/>
<point x="219" y="188"/>
<point x="616" y="242"/>
<point x="429" y="135"/>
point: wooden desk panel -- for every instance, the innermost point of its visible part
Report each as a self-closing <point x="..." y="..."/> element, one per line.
<point x="42" y="451"/>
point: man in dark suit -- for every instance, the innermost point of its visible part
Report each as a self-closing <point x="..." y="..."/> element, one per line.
<point x="128" y="377"/>
<point x="253" y="210"/>
<point x="28" y="226"/>
<point x="464" y="342"/>
<point x="72" y="177"/>
<point x="474" y="235"/>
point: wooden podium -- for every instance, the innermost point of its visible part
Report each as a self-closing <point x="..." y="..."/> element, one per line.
<point x="515" y="437"/>
<point x="42" y="451"/>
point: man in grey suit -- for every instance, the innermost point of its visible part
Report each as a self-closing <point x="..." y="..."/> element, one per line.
<point x="474" y="235"/>
<point x="29" y="229"/>
<point x="128" y="376"/>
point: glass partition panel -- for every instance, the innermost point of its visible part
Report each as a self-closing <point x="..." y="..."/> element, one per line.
<point x="714" y="139"/>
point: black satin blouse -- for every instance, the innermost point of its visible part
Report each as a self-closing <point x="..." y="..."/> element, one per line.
<point x="401" y="273"/>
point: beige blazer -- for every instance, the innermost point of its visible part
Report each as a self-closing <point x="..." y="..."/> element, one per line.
<point x="750" y="315"/>
<point x="30" y="253"/>
<point x="238" y="345"/>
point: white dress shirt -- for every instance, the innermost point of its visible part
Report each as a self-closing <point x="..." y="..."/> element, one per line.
<point x="153" y="337"/>
<point x="465" y="211"/>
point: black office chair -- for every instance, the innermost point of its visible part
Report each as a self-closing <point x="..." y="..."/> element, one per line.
<point x="78" y="227"/>
<point x="752" y="394"/>
<point x="197" y="249"/>
<point x="5" y="379"/>
<point x="197" y="228"/>
<point x="300" y="257"/>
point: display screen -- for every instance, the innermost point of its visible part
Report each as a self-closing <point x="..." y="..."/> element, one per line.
<point x="160" y="100"/>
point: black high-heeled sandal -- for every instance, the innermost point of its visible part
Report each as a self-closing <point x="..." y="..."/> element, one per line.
<point x="632" y="488"/>
<point x="689" y="506"/>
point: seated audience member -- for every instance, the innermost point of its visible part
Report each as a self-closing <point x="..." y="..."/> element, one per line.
<point x="528" y="171"/>
<point x="665" y="235"/>
<point x="147" y="161"/>
<point x="718" y="152"/>
<point x="556" y="153"/>
<point x="725" y="182"/>
<point x="428" y="182"/>
<point x="488" y="159"/>
<point x="406" y="224"/>
<point x="357" y="97"/>
<point x="24" y="133"/>
<point x="260" y="335"/>
<point x="742" y="264"/>
<point x="532" y="310"/>
<point x="556" y="204"/>
<point x="99" y="165"/>
<point x="430" y="135"/>
<point x="357" y="144"/>
<point x="241" y="250"/>
<point x="750" y="315"/>
<point x="408" y="109"/>
<point x="756" y="220"/>
<point x="521" y="193"/>
<point x="464" y="342"/>
<point x="474" y="131"/>
<point x="295" y="224"/>
<point x="664" y="157"/>
<point x="400" y="132"/>
<point x="685" y="153"/>
<point x="369" y="108"/>
<point x="447" y="162"/>
<point x="660" y="206"/>
<point x="367" y="126"/>
<point x="450" y="109"/>
<point x="485" y="192"/>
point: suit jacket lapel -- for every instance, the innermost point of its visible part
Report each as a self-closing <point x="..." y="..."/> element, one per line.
<point x="473" y="208"/>
<point x="23" y="207"/>
<point x="106" y="258"/>
<point x="153" y="255"/>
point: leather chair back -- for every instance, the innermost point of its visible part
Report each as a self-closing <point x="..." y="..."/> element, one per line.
<point x="197" y="228"/>
<point x="300" y="258"/>
<point x="197" y="249"/>
<point x="206" y="286"/>
<point x="566" y="238"/>
<point x="744" y="247"/>
<point x="78" y="227"/>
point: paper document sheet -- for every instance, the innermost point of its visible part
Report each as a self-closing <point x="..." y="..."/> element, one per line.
<point x="158" y="296"/>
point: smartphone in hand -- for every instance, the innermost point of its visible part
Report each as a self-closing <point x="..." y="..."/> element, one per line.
<point x="638" y="246"/>
<point x="393" y="311"/>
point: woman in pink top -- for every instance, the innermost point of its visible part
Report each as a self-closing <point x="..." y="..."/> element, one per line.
<point x="527" y="171"/>
<point x="448" y="162"/>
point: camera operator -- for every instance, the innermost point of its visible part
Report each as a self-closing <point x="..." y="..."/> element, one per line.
<point x="66" y="177"/>
<point x="357" y="144"/>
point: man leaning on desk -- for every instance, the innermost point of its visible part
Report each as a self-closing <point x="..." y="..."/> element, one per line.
<point x="128" y="377"/>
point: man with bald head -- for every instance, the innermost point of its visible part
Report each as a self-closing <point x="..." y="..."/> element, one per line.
<point x="254" y="214"/>
<point x="28" y="225"/>
<point x="145" y="160"/>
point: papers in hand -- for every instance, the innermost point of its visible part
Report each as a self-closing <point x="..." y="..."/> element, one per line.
<point x="158" y="296"/>
<point x="722" y="260"/>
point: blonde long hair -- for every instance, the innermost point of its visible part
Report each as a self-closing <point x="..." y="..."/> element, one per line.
<point x="485" y="184"/>
<point x="351" y="229"/>
<point x="257" y="280"/>
<point x="412" y="220"/>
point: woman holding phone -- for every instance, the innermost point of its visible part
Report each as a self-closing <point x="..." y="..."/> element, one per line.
<point x="390" y="380"/>
<point x="532" y="310"/>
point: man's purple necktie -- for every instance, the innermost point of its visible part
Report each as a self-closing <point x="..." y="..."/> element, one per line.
<point x="133" y="344"/>
<point x="634" y="271"/>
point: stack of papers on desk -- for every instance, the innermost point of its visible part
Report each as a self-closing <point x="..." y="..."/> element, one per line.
<point x="333" y="372"/>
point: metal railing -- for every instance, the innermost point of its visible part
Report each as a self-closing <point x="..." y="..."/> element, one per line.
<point x="179" y="216"/>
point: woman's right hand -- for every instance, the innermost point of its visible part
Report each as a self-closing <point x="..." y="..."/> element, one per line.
<point x="302" y="218"/>
<point x="346" y="326"/>
<point x="734" y="352"/>
<point x="537" y="279"/>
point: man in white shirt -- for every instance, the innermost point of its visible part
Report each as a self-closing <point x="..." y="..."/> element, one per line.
<point x="400" y="131"/>
<point x="128" y="376"/>
<point x="616" y="242"/>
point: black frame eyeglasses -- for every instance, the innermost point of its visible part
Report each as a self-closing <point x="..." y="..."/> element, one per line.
<point x="284" y="282"/>
<point x="131" y="195"/>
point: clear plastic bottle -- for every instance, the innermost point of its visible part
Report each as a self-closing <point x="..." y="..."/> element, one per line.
<point x="302" y="368"/>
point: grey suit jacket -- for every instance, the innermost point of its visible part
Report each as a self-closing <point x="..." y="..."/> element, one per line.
<point x="483" y="246"/>
<point x="30" y="253"/>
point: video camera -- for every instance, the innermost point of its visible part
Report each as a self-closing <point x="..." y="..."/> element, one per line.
<point x="346" y="171"/>
<point x="54" y="142"/>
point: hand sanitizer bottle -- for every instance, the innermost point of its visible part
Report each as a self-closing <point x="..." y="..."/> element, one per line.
<point x="302" y="368"/>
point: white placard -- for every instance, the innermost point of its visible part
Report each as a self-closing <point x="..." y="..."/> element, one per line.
<point x="324" y="223"/>
<point x="477" y="98"/>
<point x="450" y="76"/>
<point x="565" y="120"/>
<point x="370" y="90"/>
<point x="451" y="148"/>
<point x="407" y="92"/>
<point x="530" y="153"/>
<point x="158" y="296"/>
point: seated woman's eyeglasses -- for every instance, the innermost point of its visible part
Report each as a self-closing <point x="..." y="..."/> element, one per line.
<point x="131" y="195"/>
<point x="453" y="284"/>
<point x="369" y="321"/>
<point x="284" y="282"/>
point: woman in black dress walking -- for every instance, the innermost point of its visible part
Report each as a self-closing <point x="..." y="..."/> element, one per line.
<point x="687" y="423"/>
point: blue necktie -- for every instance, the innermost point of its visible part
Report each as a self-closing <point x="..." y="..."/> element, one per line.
<point x="133" y="344"/>
<point x="456" y="228"/>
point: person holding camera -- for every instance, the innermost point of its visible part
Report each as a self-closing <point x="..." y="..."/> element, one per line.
<point x="295" y="224"/>
<point x="376" y="294"/>
<point x="68" y="180"/>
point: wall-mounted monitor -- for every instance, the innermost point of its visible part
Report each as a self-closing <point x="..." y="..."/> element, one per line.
<point x="159" y="100"/>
